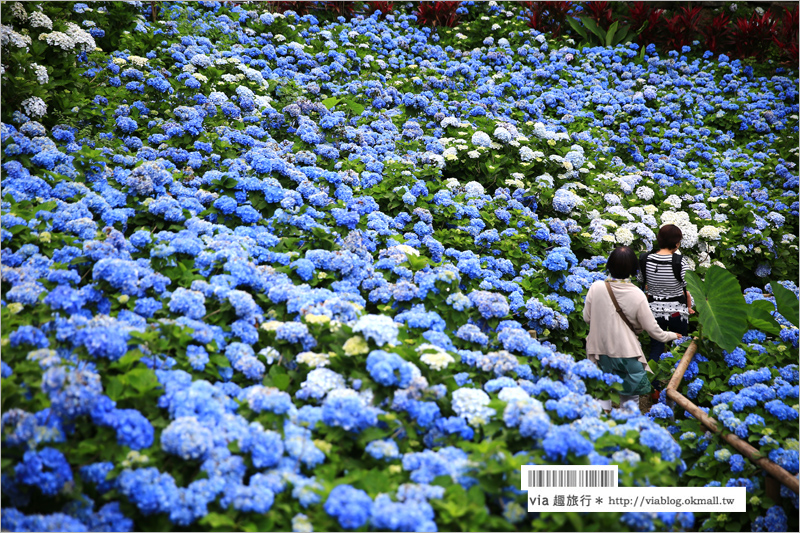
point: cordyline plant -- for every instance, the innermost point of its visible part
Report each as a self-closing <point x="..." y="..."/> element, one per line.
<point x="600" y="12"/>
<point x="339" y="8"/>
<point x="438" y="14"/>
<point x="786" y="37"/>
<point x="548" y="17"/>
<point x="683" y="27"/>
<point x="752" y="36"/>
<point x="642" y="16"/>
<point x="301" y="8"/>
<point x="383" y="7"/>
<point x="717" y="33"/>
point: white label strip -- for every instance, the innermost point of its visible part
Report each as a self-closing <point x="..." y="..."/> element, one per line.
<point x="538" y="477"/>
<point x="648" y="499"/>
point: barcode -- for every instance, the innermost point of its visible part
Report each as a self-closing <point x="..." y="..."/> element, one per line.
<point x="534" y="477"/>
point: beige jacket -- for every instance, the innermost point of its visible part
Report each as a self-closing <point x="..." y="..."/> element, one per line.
<point x="608" y="333"/>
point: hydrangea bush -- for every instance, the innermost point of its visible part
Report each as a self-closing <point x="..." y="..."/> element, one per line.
<point x="278" y="273"/>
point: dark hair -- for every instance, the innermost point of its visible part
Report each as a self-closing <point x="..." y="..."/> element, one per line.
<point x="622" y="263"/>
<point x="669" y="236"/>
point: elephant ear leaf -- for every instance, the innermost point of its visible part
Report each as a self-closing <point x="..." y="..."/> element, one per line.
<point x="787" y="303"/>
<point x="759" y="317"/>
<point x="720" y="305"/>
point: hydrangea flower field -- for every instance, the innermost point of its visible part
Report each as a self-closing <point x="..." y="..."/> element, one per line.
<point x="270" y="271"/>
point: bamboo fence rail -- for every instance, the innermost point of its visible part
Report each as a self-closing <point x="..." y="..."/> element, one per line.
<point x="775" y="472"/>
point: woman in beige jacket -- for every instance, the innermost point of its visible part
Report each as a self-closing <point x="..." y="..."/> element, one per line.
<point x="612" y="343"/>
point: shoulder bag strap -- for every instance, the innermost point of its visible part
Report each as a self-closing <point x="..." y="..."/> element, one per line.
<point x="619" y="311"/>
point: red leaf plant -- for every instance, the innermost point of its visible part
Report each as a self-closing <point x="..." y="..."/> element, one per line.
<point x="548" y="17"/>
<point x="717" y="34"/>
<point x="600" y="12"/>
<point x="752" y="36"/>
<point x="438" y="13"/>
<point x="786" y="37"/>
<point x="641" y="12"/>
<point x="339" y="8"/>
<point x="682" y="28"/>
<point x="299" y="7"/>
<point x="384" y="7"/>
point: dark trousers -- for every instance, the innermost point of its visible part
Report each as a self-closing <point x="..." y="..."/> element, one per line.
<point x="674" y="324"/>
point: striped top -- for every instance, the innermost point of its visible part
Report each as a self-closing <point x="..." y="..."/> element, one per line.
<point x="661" y="282"/>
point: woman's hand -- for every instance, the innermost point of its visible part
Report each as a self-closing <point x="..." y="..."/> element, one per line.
<point x="679" y="336"/>
<point x="692" y="311"/>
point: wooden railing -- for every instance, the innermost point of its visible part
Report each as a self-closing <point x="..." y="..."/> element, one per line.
<point x="774" y="472"/>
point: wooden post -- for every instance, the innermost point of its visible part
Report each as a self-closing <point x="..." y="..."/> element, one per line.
<point x="677" y="376"/>
<point x="772" y="488"/>
<point x="738" y="444"/>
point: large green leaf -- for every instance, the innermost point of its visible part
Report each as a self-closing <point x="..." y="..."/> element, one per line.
<point x="594" y="28"/>
<point x="576" y="25"/>
<point x="787" y="302"/>
<point x="759" y="318"/>
<point x="623" y="35"/>
<point x="611" y="31"/>
<point x="330" y="102"/>
<point x="721" y="306"/>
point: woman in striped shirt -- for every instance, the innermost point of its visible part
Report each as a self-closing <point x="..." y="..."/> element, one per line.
<point x="663" y="275"/>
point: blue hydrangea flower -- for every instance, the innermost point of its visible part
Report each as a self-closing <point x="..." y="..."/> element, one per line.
<point x="351" y="507"/>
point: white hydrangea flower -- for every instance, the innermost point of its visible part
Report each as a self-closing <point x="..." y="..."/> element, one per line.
<point x="18" y="10"/>
<point x="620" y="211"/>
<point x="480" y="138"/>
<point x="82" y="40"/>
<point x="473" y="188"/>
<point x="435" y="357"/>
<point x="673" y="201"/>
<point x="9" y="37"/>
<point x="624" y="236"/>
<point x="313" y="359"/>
<point x="34" y="107"/>
<point x="58" y="39"/>
<point x="645" y="193"/>
<point x="41" y="73"/>
<point x="451" y="183"/>
<point x="408" y="250"/>
<point x="545" y="180"/>
<point x="710" y="233"/>
<point x="472" y="405"/>
<point x="40" y="20"/>
<point x="138" y="61"/>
